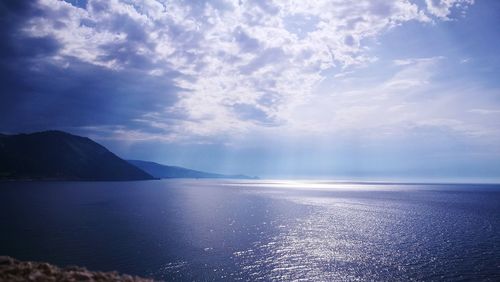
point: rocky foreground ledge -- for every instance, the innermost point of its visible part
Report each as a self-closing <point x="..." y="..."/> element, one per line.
<point x="14" y="270"/>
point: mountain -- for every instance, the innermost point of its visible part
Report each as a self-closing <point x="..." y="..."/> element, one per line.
<point x="165" y="171"/>
<point x="59" y="155"/>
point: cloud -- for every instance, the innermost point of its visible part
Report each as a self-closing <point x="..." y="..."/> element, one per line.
<point x="196" y="70"/>
<point x="484" y="111"/>
<point x="43" y="88"/>
<point x="412" y="101"/>
<point x="443" y="8"/>
<point x="415" y="73"/>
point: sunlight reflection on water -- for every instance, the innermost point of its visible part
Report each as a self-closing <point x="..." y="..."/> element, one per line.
<point x="321" y="185"/>
<point x="204" y="230"/>
<point x="345" y="239"/>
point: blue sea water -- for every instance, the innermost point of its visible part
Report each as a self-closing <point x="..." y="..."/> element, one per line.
<point x="257" y="230"/>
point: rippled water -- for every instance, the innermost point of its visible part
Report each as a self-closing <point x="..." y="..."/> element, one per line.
<point x="251" y="230"/>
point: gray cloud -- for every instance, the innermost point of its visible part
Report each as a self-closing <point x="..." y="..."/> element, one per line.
<point x="187" y="68"/>
<point x="39" y="93"/>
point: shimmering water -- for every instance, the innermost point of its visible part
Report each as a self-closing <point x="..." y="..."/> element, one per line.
<point x="254" y="230"/>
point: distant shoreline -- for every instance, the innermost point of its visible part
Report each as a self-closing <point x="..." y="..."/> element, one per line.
<point x="253" y="181"/>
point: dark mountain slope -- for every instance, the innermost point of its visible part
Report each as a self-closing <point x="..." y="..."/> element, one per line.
<point x="165" y="171"/>
<point x="61" y="156"/>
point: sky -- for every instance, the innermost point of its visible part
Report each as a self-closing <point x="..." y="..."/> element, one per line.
<point x="374" y="89"/>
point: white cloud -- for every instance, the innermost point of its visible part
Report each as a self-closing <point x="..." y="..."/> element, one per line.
<point x="484" y="111"/>
<point x="414" y="74"/>
<point x="235" y="55"/>
<point x="465" y="60"/>
<point x="410" y="102"/>
<point x="443" y="8"/>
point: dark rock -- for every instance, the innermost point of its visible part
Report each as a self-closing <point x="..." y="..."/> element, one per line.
<point x="6" y="260"/>
<point x="14" y="270"/>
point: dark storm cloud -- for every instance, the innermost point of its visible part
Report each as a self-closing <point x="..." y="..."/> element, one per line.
<point x="81" y="95"/>
<point x="39" y="93"/>
<point x="12" y="14"/>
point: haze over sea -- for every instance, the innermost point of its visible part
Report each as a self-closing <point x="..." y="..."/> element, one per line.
<point x="215" y="230"/>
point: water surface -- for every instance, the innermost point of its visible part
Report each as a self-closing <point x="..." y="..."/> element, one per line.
<point x="257" y="230"/>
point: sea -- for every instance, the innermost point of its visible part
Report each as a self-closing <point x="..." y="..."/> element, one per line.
<point x="257" y="230"/>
